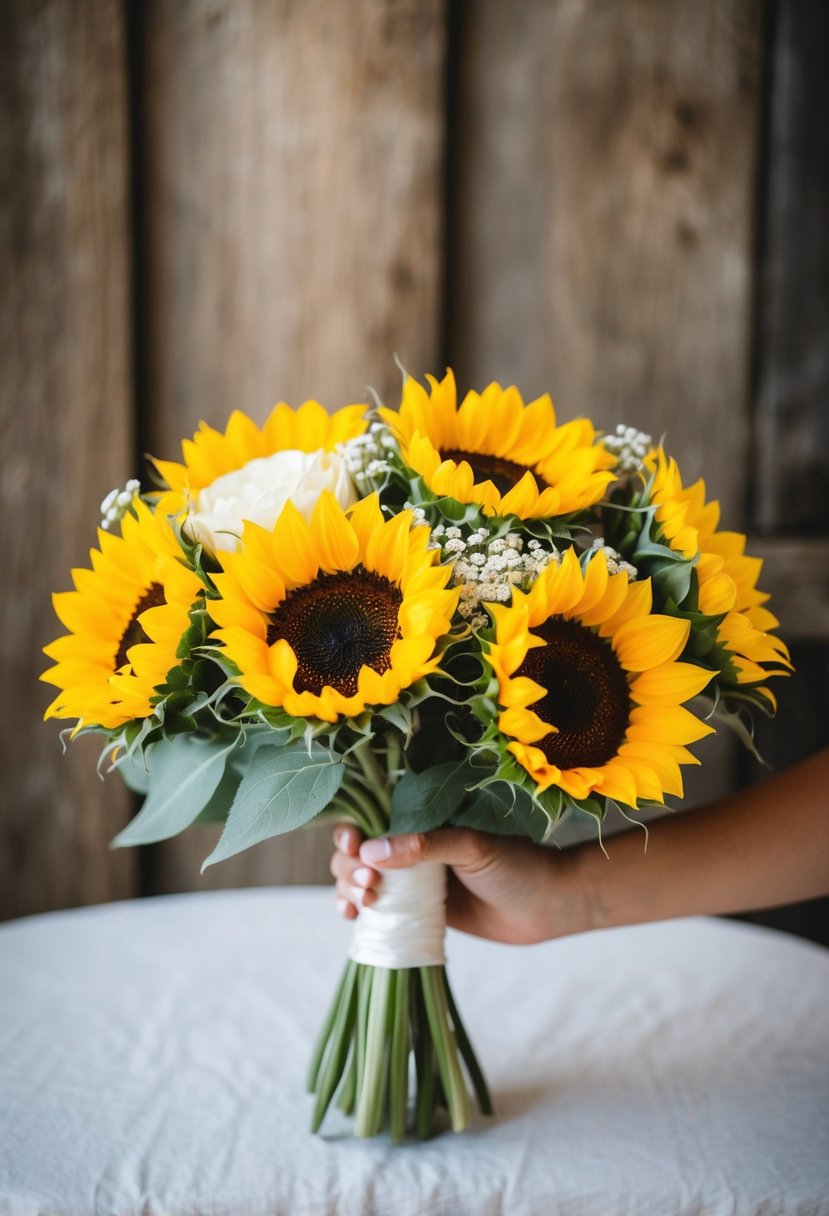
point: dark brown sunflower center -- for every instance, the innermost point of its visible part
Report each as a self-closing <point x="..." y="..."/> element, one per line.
<point x="134" y="633"/>
<point x="337" y="624"/>
<point x="587" y="694"/>
<point x="503" y="474"/>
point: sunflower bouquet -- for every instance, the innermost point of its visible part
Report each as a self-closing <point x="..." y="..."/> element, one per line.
<point x="442" y="614"/>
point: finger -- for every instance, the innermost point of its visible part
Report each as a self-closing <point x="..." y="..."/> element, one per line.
<point x="345" y="909"/>
<point x="359" y="897"/>
<point x="458" y="847"/>
<point x="342" y="866"/>
<point x="347" y="839"/>
<point x="351" y="871"/>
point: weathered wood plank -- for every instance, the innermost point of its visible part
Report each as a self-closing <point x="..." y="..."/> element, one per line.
<point x="601" y="231"/>
<point x="792" y="487"/>
<point x="66" y="427"/>
<point x="791" y="490"/>
<point x="796" y="575"/>
<point x="603" y="214"/>
<point x="293" y="225"/>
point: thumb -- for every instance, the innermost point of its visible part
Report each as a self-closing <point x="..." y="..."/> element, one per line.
<point x="461" y="848"/>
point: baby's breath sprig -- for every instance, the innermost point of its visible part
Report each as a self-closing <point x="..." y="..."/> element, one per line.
<point x="487" y="564"/>
<point x="630" y="447"/>
<point x="367" y="457"/>
<point x="117" y="502"/>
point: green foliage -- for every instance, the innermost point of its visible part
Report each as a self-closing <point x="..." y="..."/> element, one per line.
<point x="506" y="810"/>
<point x="422" y="801"/>
<point x="282" y="789"/>
<point x="670" y="572"/>
<point x="183" y="774"/>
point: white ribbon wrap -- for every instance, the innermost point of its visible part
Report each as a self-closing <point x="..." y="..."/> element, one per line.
<point x="406" y="925"/>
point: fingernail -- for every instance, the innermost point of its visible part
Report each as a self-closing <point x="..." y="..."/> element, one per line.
<point x="357" y="894"/>
<point x="362" y="876"/>
<point x="341" y="905"/>
<point x="375" y="850"/>
<point x="340" y="838"/>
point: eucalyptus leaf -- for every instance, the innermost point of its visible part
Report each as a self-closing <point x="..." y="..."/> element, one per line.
<point x="505" y="809"/>
<point x="217" y="809"/>
<point x="183" y="775"/>
<point x="422" y="801"/>
<point x="281" y="789"/>
<point x="133" y="772"/>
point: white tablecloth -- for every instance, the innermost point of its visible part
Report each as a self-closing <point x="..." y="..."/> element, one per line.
<point x="152" y="1057"/>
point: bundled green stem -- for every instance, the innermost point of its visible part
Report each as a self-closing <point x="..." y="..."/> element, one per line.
<point x="380" y="1021"/>
<point x="391" y="1035"/>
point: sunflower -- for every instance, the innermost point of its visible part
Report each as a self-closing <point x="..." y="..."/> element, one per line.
<point x="508" y="457"/>
<point x="727" y="576"/>
<point x="125" y="619"/>
<point x="332" y="615"/>
<point x="600" y="673"/>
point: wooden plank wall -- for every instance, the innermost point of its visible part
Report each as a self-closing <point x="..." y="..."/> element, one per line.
<point x="790" y="490"/>
<point x="293" y="213"/>
<point x="67" y="417"/>
<point x="218" y="204"/>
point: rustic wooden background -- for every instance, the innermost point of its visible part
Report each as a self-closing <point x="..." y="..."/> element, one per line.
<point x="217" y="203"/>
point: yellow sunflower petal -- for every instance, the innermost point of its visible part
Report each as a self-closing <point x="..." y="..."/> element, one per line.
<point x="669" y="683"/>
<point x="337" y="544"/>
<point x="295" y="543"/>
<point x="523" y="724"/>
<point x="666" y="724"/>
<point x="650" y="641"/>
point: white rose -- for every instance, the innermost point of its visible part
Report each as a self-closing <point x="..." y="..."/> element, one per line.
<point x="260" y="489"/>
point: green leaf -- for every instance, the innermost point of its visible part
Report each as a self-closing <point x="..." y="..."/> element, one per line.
<point x="183" y="775"/>
<point x="400" y="716"/>
<point x="217" y="809"/>
<point x="506" y="810"/>
<point x="422" y="801"/>
<point x="673" y="577"/>
<point x="282" y="789"/>
<point x="133" y="772"/>
<point x="457" y="512"/>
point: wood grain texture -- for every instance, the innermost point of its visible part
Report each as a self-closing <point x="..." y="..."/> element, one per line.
<point x="603" y="214"/>
<point x="796" y="575"/>
<point x="602" y="224"/>
<point x="293" y="222"/>
<point x="292" y="202"/>
<point x="791" y="465"/>
<point x="792" y="486"/>
<point x="66" y="418"/>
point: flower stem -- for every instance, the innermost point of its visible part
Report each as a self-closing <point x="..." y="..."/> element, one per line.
<point x="424" y="1063"/>
<point x="467" y="1051"/>
<point x="322" y="1040"/>
<point x="375" y="777"/>
<point x="446" y="1048"/>
<point x="348" y="1089"/>
<point x="338" y="1048"/>
<point x="364" y="997"/>
<point x="392" y="756"/>
<point x="368" y="815"/>
<point x="399" y="1080"/>
<point x="369" y="1101"/>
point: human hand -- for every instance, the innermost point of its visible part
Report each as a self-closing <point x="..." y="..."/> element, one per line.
<point x="500" y="887"/>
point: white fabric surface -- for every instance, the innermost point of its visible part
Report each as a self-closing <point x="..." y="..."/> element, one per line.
<point x="152" y="1059"/>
